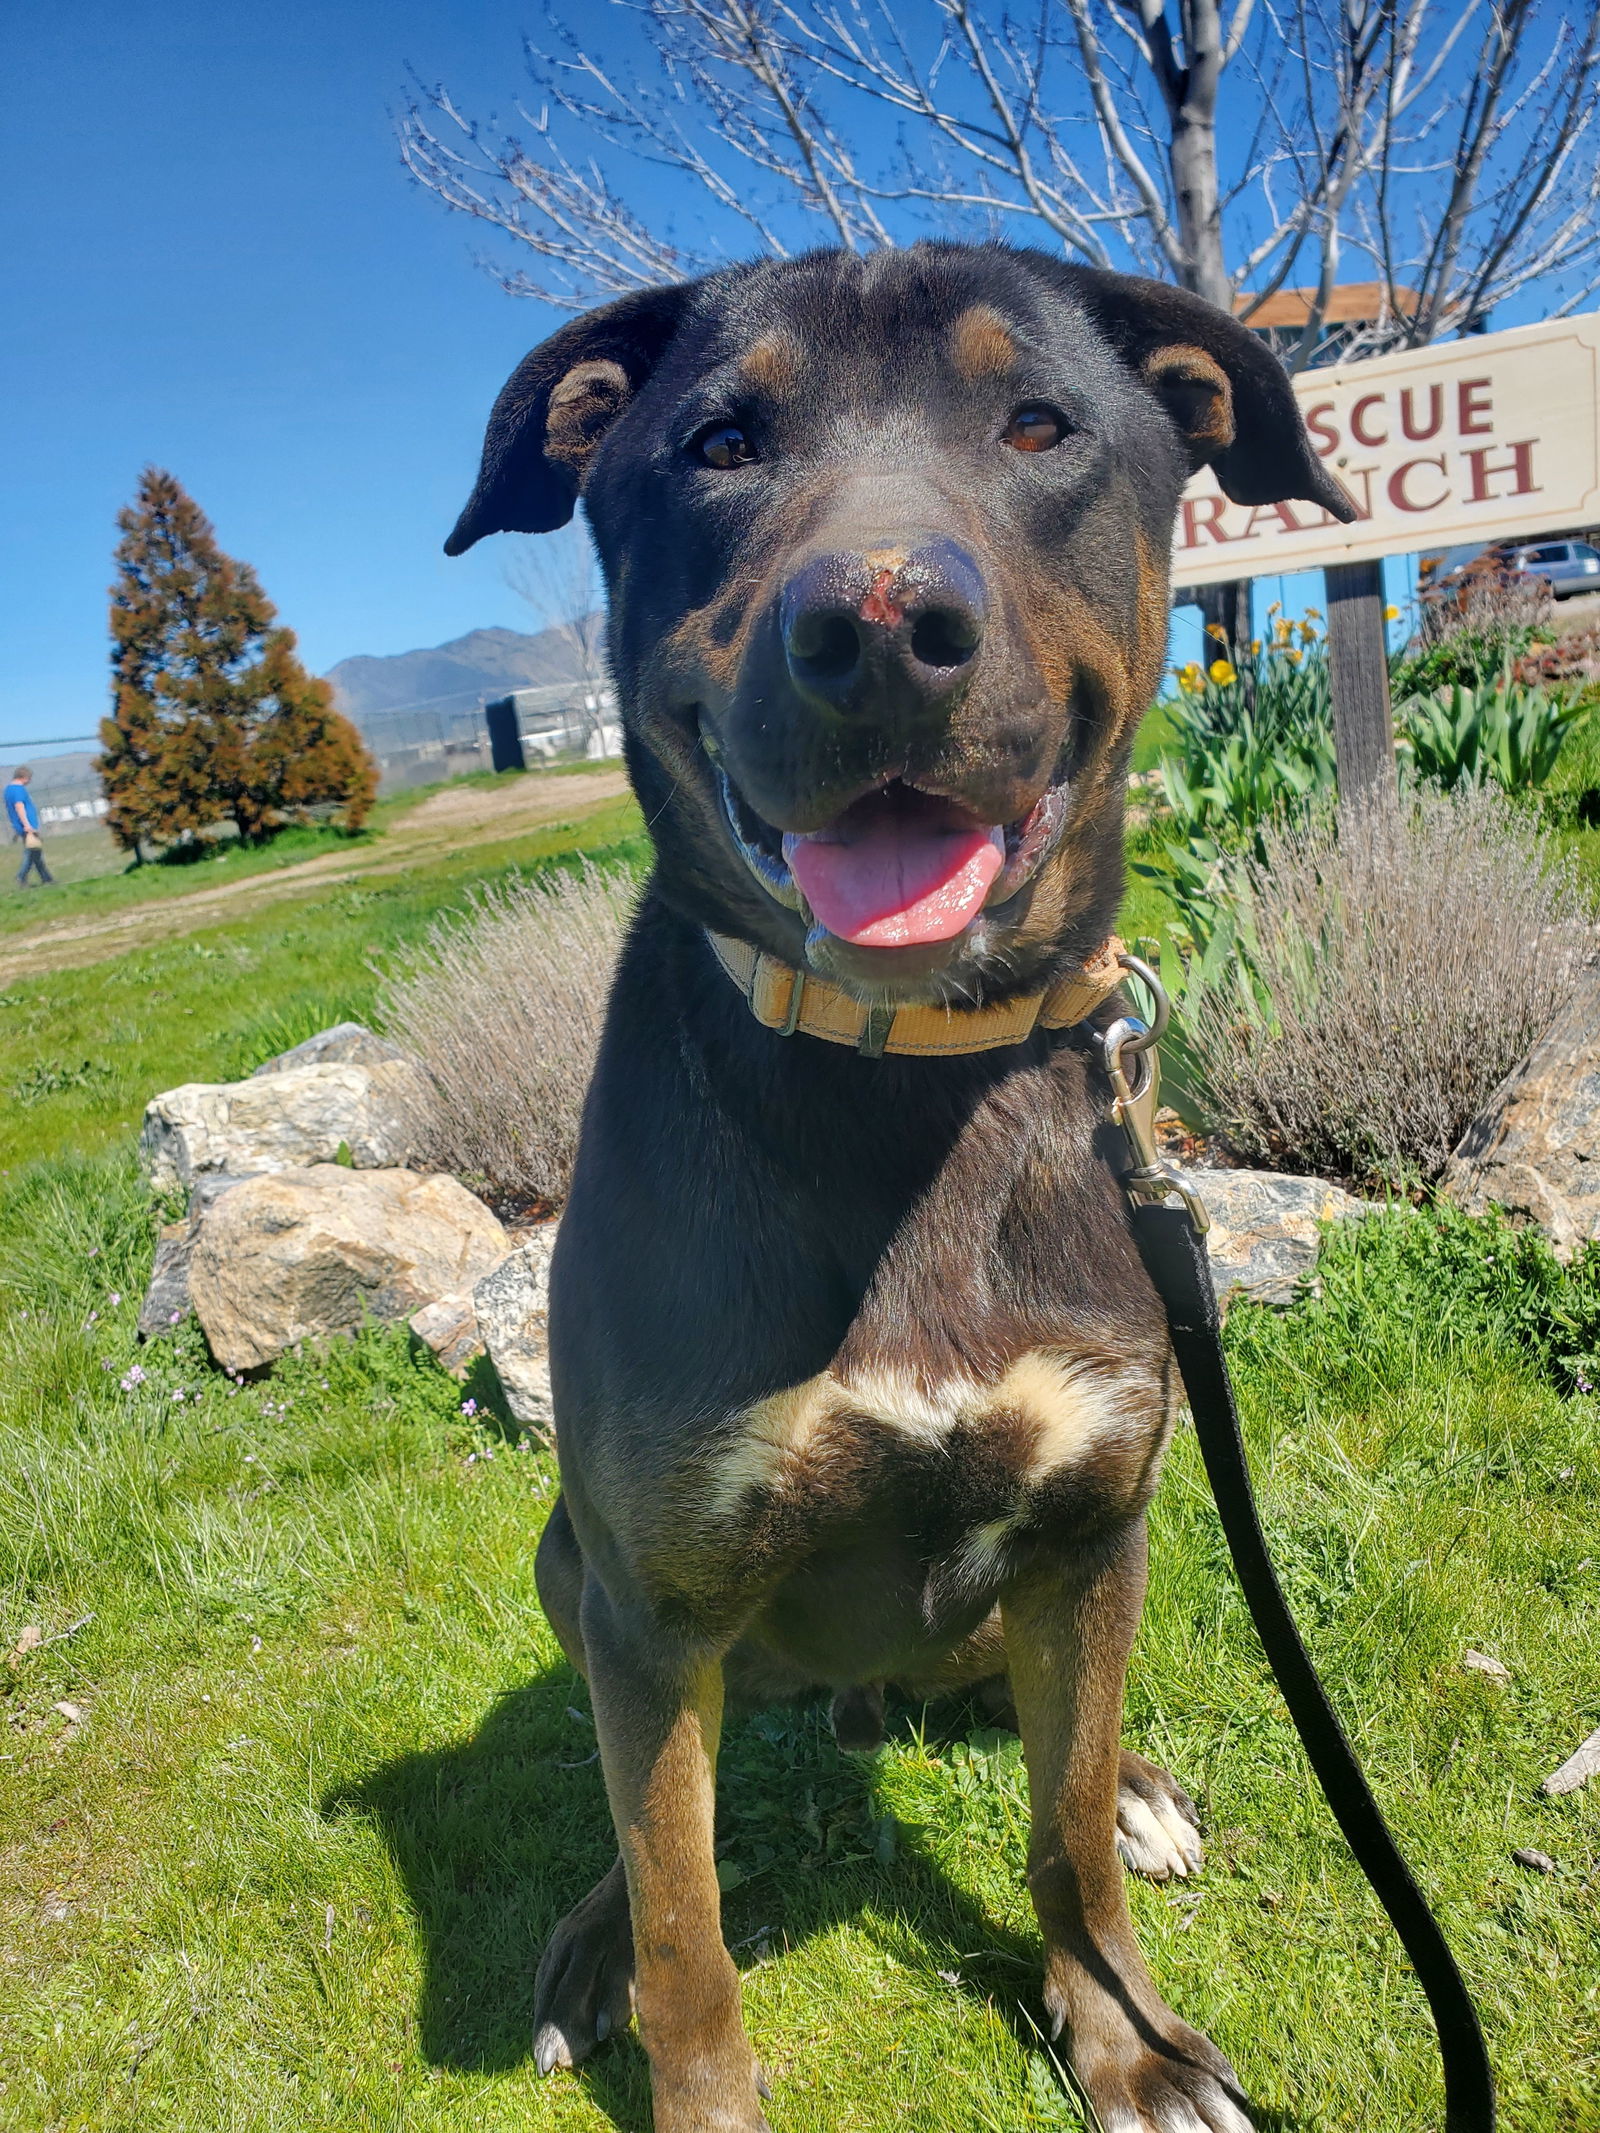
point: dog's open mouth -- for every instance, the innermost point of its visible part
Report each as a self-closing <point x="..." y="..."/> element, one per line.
<point x="900" y="868"/>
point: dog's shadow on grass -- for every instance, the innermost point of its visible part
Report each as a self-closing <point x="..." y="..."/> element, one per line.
<point x="498" y="1836"/>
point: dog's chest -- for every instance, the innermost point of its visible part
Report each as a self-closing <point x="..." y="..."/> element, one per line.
<point x="952" y="1462"/>
<point x="885" y="1514"/>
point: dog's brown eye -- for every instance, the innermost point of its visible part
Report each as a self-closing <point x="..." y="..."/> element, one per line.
<point x="1035" y="428"/>
<point x="726" y="446"/>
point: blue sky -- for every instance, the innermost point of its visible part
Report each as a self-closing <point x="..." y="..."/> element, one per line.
<point x="215" y="262"/>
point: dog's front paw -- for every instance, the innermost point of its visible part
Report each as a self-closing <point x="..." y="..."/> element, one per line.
<point x="584" y="1990"/>
<point x="1158" y="1827"/>
<point x="1141" y="2067"/>
<point x="1184" y="2085"/>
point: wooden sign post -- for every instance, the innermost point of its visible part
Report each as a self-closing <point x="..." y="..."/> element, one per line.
<point x="1358" y="681"/>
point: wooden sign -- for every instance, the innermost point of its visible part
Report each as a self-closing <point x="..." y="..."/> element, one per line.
<point x="1483" y="439"/>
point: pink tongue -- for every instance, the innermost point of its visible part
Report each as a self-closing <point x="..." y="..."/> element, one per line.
<point x="898" y="869"/>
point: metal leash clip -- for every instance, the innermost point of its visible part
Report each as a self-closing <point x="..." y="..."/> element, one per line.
<point x="1134" y="1108"/>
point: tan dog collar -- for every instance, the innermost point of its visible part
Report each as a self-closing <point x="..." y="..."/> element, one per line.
<point x="787" y="1000"/>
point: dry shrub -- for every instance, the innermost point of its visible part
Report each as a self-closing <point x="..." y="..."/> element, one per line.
<point x="1486" y="602"/>
<point x="1389" y="967"/>
<point x="1473" y="628"/>
<point x="503" y="1004"/>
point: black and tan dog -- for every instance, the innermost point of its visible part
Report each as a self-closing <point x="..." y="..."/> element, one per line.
<point x="858" y="1377"/>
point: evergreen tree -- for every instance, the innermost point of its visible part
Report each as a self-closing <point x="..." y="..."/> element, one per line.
<point x="214" y="719"/>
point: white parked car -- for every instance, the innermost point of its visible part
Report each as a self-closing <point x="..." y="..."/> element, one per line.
<point x="1566" y="566"/>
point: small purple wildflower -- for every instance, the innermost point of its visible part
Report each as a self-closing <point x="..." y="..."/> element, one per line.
<point x="1583" y="1383"/>
<point x="469" y="1407"/>
<point x="114" y="1298"/>
<point x="173" y="1320"/>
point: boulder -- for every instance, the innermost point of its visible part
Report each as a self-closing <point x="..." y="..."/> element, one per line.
<point x="1265" y="1229"/>
<point x="346" y="1044"/>
<point x="300" y="1254"/>
<point x="1534" y="1149"/>
<point x="450" y="1328"/>
<point x="510" y="1306"/>
<point x="167" y="1301"/>
<point x="284" y="1121"/>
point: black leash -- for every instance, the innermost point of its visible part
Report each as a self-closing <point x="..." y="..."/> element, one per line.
<point x="1172" y="1245"/>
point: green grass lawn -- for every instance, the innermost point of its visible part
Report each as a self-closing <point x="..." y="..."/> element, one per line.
<point x="82" y="1051"/>
<point x="92" y="876"/>
<point x="325" y="1782"/>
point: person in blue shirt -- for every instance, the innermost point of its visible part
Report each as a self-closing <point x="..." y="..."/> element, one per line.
<point x="23" y="818"/>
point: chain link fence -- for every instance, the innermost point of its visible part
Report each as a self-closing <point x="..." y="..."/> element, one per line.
<point x="418" y="744"/>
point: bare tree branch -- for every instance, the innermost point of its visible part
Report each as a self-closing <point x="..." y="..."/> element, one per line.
<point x="560" y="581"/>
<point x="1450" y="147"/>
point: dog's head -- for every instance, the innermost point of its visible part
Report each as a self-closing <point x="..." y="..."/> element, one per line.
<point x="887" y="543"/>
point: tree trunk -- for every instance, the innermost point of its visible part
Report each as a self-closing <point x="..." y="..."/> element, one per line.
<point x="1194" y="155"/>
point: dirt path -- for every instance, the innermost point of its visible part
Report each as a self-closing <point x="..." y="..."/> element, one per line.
<point x="444" y="822"/>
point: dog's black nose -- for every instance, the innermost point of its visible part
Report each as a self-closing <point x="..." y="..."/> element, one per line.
<point x="903" y="618"/>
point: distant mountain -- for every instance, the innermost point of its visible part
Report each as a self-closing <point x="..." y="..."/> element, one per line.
<point x="451" y="676"/>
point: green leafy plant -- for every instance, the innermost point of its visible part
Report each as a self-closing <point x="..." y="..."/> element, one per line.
<point x="1254" y="746"/>
<point x="48" y="1079"/>
<point x="1495" y="729"/>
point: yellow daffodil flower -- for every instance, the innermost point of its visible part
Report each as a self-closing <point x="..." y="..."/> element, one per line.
<point x="1221" y="673"/>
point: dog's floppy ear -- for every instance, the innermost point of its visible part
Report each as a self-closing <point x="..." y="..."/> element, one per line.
<point x="554" y="409"/>
<point x="1226" y="392"/>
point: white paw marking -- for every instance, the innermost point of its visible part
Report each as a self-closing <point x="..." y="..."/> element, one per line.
<point x="1182" y="2117"/>
<point x="1176" y="2114"/>
<point x="1158" y="1842"/>
<point x="1221" y="2113"/>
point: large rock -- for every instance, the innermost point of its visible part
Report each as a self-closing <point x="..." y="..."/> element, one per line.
<point x="346" y="1044"/>
<point x="1534" y="1149"/>
<point x="167" y="1301"/>
<point x="304" y="1115"/>
<point x="511" y="1306"/>
<point x="450" y="1328"/>
<point x="1265" y="1229"/>
<point x="305" y="1253"/>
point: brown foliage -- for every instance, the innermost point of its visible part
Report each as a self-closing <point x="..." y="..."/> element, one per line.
<point x="1392" y="967"/>
<point x="503" y="1004"/>
<point x="214" y="719"/>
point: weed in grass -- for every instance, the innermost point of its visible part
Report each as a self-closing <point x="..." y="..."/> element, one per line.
<point x="49" y="1079"/>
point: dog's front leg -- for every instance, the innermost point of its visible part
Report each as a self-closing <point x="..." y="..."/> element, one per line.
<point x="1068" y="1633"/>
<point x="658" y="1712"/>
